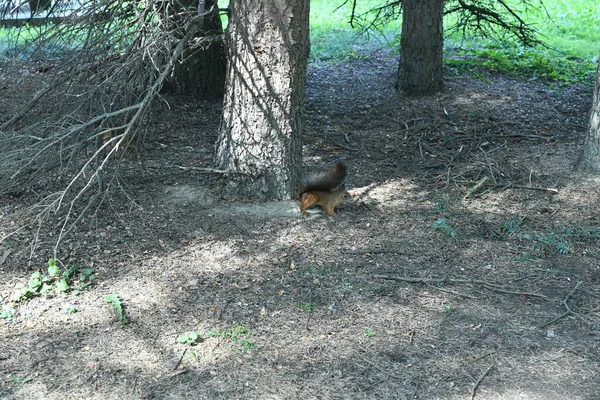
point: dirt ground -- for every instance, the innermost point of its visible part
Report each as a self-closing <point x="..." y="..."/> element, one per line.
<point x="411" y="292"/>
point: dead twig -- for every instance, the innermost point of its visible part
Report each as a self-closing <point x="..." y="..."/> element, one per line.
<point x="451" y="291"/>
<point x="479" y="381"/>
<point x="210" y="170"/>
<point x="483" y="356"/>
<point x="565" y="303"/>
<point x="484" y="183"/>
<point x="180" y="358"/>
<point x="511" y="186"/>
<point x="475" y="188"/>
<point x="362" y="252"/>
<point x="4" y="256"/>
<point x="485" y="284"/>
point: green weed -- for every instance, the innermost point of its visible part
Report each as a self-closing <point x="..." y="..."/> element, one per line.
<point x="69" y="309"/>
<point x="238" y="335"/>
<point x="304" y="307"/>
<point x="190" y="338"/>
<point x="512" y="225"/>
<point x="332" y="38"/>
<point x="8" y="312"/>
<point x="54" y="281"/>
<point x="18" y="382"/>
<point x="442" y="225"/>
<point x="560" y="241"/>
<point x="116" y="303"/>
<point x="449" y="309"/>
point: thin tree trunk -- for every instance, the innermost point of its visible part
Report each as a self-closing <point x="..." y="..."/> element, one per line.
<point x="201" y="71"/>
<point x="421" y="47"/>
<point x="261" y="131"/>
<point x="590" y="157"/>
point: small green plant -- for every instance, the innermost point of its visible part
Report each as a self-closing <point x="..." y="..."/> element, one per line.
<point x="369" y="334"/>
<point x="560" y="244"/>
<point x="304" y="307"/>
<point x="18" y="382"/>
<point x="116" y="303"/>
<point x="8" y="312"/>
<point x="69" y="309"/>
<point x="442" y="225"/>
<point x="449" y="309"/>
<point x="512" y="225"/>
<point x="238" y="335"/>
<point x="190" y="338"/>
<point x="54" y="281"/>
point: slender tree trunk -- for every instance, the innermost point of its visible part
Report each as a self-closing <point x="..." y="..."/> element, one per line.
<point x="421" y="46"/>
<point x="590" y="157"/>
<point x="201" y="71"/>
<point x="261" y="131"/>
<point x="38" y="5"/>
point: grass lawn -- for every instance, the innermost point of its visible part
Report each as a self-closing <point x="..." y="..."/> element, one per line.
<point x="570" y="29"/>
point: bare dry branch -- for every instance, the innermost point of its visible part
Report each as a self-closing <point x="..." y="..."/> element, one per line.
<point x="105" y="63"/>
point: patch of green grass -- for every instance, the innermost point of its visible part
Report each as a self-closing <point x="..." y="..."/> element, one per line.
<point x="571" y="30"/>
<point x="572" y="27"/>
<point x="307" y="307"/>
<point x="239" y="335"/>
<point x="332" y="38"/>
<point x="516" y="60"/>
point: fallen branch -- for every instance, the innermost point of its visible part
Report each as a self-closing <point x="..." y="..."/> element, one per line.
<point x="479" y="381"/>
<point x="485" y="284"/>
<point x="565" y="303"/>
<point x="210" y="170"/>
<point x="180" y="358"/>
<point x="451" y="291"/>
<point x="511" y="186"/>
<point x="484" y="183"/>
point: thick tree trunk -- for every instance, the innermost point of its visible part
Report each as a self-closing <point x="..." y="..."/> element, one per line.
<point x="590" y="157"/>
<point x="39" y="5"/>
<point x="421" y="46"/>
<point x="201" y="71"/>
<point x="261" y="131"/>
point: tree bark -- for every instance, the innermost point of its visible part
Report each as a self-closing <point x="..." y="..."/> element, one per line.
<point x="261" y="132"/>
<point x="590" y="157"/>
<point x="201" y="71"/>
<point x="421" y="47"/>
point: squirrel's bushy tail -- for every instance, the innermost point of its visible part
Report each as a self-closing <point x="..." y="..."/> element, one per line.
<point x="324" y="181"/>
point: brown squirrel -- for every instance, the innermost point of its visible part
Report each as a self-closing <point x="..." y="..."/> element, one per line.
<point x="325" y="189"/>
